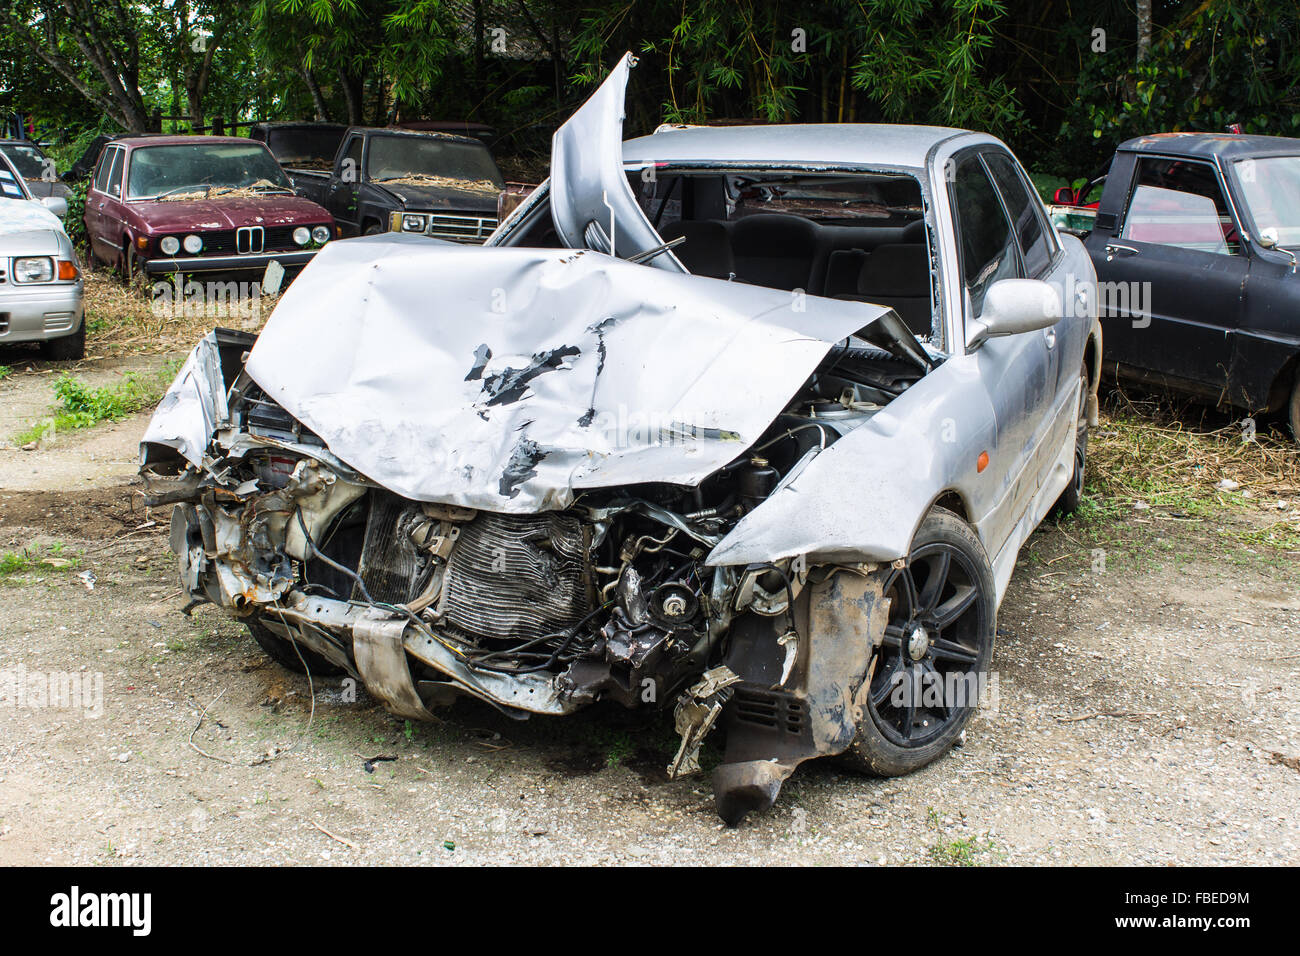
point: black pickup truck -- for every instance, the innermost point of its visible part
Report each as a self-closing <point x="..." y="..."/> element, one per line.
<point x="1195" y="242"/>
<point x="436" y="184"/>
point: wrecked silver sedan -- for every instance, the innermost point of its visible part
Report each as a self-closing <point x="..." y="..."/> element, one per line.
<point x="747" y="422"/>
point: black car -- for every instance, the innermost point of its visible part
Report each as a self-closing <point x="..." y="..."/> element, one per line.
<point x="1195" y="246"/>
<point x="436" y="184"/>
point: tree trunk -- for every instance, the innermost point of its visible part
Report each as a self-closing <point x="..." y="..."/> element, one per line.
<point x="317" y="101"/>
<point x="1144" y="29"/>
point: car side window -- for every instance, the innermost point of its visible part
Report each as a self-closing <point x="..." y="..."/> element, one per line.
<point x="351" y="169"/>
<point x="102" y="169"/>
<point x="986" y="242"/>
<point x="1177" y="202"/>
<point x="1031" y="232"/>
<point x="115" y="174"/>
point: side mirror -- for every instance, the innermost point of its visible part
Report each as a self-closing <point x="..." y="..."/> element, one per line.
<point x="1064" y="196"/>
<point x="55" y="204"/>
<point x="1012" y="306"/>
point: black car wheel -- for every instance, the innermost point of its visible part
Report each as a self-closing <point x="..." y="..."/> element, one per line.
<point x="67" y="348"/>
<point x="286" y="654"/>
<point x="937" y="644"/>
<point x="1071" y="497"/>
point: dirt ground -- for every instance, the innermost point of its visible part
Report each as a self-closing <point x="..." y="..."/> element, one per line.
<point x="1147" y="712"/>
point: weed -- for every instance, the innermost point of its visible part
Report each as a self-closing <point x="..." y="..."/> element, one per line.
<point x="81" y="406"/>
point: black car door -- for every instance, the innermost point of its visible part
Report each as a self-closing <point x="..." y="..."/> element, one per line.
<point x="341" y="198"/>
<point x="1172" y="278"/>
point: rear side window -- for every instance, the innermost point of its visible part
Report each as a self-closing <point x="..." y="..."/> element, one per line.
<point x="1031" y="233"/>
<point x="988" y="247"/>
<point x="102" y="169"/>
<point x="115" y="174"/>
<point x="1177" y="202"/>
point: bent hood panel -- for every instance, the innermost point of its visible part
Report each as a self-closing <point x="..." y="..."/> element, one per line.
<point x="591" y="199"/>
<point x="506" y="379"/>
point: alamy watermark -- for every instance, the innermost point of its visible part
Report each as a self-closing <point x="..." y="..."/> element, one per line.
<point x="61" y="690"/>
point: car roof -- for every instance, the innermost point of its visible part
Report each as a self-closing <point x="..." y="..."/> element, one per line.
<point x="832" y="144"/>
<point x="1207" y="145"/>
<point x="425" y="134"/>
<point x="177" y="140"/>
<point x="21" y="142"/>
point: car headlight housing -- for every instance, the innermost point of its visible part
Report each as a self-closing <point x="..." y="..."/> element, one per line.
<point x="413" y="222"/>
<point x="193" y="244"/>
<point x="302" y="235"/>
<point x="170" y="245"/>
<point x="34" y="269"/>
<point x="321" y="233"/>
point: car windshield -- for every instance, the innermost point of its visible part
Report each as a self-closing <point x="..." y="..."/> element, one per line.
<point x="433" y="159"/>
<point x="28" y="160"/>
<point x="1271" y="187"/>
<point x="207" y="169"/>
<point x="312" y="146"/>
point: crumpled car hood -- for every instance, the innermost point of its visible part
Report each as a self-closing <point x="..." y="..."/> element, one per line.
<point x="508" y="379"/>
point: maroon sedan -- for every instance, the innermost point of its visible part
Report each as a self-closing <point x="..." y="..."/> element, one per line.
<point x="165" y="204"/>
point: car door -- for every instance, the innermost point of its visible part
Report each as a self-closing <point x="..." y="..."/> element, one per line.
<point x="341" y="196"/>
<point x="591" y="202"/>
<point x="1015" y="370"/>
<point x="1173" y="276"/>
<point x="105" y="241"/>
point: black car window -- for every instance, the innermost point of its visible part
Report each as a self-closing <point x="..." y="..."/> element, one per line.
<point x="115" y="174"/>
<point x="1030" y="230"/>
<point x="102" y="169"/>
<point x="350" y="168"/>
<point x="1177" y="202"/>
<point x="988" y="249"/>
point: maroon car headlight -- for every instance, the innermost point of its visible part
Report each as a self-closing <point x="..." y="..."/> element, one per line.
<point x="170" y="245"/>
<point x="321" y="233"/>
<point x="302" y="235"/>
<point x="193" y="244"/>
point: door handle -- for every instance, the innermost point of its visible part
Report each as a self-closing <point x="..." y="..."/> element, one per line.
<point x="1115" y="248"/>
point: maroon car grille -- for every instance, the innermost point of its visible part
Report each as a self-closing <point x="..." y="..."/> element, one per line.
<point x="228" y="242"/>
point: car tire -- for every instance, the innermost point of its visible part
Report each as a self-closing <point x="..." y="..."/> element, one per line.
<point x="66" y="348"/>
<point x="285" y="654"/>
<point x="1293" y="409"/>
<point x="946" y="587"/>
<point x="372" y="229"/>
<point x="1072" y="496"/>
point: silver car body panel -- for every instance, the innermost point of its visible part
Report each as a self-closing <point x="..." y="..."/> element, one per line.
<point x="594" y="206"/>
<point x="535" y="374"/>
<point x="36" y="311"/>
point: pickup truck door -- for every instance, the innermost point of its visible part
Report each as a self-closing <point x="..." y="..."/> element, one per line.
<point x="341" y="195"/>
<point x="1171" y="276"/>
<point x="1018" y="371"/>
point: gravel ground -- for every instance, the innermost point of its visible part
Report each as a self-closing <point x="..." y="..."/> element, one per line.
<point x="1147" y="712"/>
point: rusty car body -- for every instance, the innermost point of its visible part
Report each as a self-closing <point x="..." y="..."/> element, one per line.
<point x="645" y="447"/>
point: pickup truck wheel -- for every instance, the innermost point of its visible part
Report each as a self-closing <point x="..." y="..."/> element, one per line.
<point x="284" y="653"/>
<point x="66" y="348"/>
<point x="939" y="640"/>
<point x="372" y="229"/>
<point x="1293" y="409"/>
<point x="1071" y="497"/>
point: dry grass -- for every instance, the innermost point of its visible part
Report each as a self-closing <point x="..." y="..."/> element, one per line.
<point x="121" y="320"/>
<point x="1158" y="460"/>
